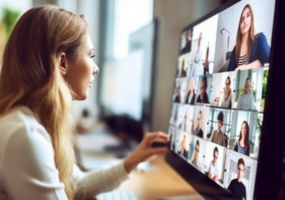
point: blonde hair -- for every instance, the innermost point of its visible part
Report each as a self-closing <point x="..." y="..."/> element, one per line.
<point x="251" y="34"/>
<point x="31" y="77"/>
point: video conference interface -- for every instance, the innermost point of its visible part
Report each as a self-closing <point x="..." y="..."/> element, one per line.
<point x="219" y="94"/>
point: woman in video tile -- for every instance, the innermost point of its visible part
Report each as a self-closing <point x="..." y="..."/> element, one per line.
<point x="251" y="50"/>
<point x="242" y="144"/>
<point x="183" y="150"/>
<point x="182" y="71"/>
<point x="195" y="161"/>
<point x="190" y="98"/>
<point x="203" y="97"/>
<point x="236" y="187"/>
<point x="227" y="94"/>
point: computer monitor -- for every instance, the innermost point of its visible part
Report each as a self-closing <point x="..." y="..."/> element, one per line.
<point x="224" y="114"/>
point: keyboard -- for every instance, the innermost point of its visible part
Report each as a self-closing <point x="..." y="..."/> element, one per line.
<point x="117" y="195"/>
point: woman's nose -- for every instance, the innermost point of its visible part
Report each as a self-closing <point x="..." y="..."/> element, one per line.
<point x="95" y="69"/>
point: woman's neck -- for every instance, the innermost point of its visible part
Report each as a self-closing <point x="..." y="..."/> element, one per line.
<point x="244" y="39"/>
<point x="242" y="142"/>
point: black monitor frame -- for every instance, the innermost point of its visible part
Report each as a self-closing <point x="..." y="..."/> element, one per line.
<point x="269" y="168"/>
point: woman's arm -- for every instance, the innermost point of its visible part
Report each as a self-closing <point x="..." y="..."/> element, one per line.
<point x="252" y="65"/>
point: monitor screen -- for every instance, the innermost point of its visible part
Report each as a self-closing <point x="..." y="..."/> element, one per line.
<point x="219" y="94"/>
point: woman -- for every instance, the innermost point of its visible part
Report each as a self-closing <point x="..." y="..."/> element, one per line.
<point x="191" y="96"/>
<point x="48" y="63"/>
<point x="251" y="51"/>
<point x="242" y="144"/>
<point x="227" y="94"/>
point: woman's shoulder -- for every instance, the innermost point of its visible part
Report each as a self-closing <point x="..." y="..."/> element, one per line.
<point x="21" y="124"/>
<point x="260" y="36"/>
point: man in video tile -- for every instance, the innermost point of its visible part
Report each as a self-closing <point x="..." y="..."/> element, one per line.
<point x="246" y="101"/>
<point x="203" y="97"/>
<point x="218" y="136"/>
<point x="190" y="98"/>
<point x="198" y="131"/>
<point x="187" y="47"/>
<point x="236" y="186"/>
<point x="214" y="168"/>
<point x="183" y="150"/>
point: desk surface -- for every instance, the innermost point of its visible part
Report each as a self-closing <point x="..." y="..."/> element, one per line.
<point x="160" y="182"/>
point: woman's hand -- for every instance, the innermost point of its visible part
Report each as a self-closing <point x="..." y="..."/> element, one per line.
<point x="145" y="150"/>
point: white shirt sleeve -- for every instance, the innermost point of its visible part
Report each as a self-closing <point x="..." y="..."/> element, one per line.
<point x="29" y="171"/>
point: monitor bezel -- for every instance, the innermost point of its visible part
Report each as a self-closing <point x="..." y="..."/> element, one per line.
<point x="266" y="162"/>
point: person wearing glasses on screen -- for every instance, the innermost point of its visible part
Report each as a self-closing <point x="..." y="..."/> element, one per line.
<point x="195" y="160"/>
<point x="242" y="144"/>
<point x="227" y="94"/>
<point x="246" y="100"/>
<point x="251" y="50"/>
<point x="236" y="186"/>
<point x="203" y="97"/>
<point x="198" y="131"/>
<point x="218" y="136"/>
<point x="183" y="151"/>
<point x="190" y="98"/>
<point x="214" y="168"/>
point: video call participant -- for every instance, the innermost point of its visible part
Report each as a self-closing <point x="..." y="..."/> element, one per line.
<point x="195" y="161"/>
<point x="187" y="47"/>
<point x="242" y="144"/>
<point x="246" y="101"/>
<point x="236" y="186"/>
<point x="180" y="98"/>
<point x="182" y="71"/>
<point x="184" y="122"/>
<point x="218" y="136"/>
<point x="198" y="53"/>
<point x="190" y="98"/>
<point x="183" y="150"/>
<point x="198" y="131"/>
<point x="214" y="168"/>
<point x="203" y="97"/>
<point x="227" y="94"/>
<point x="251" y="51"/>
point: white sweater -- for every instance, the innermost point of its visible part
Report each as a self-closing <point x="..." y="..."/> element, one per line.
<point x="27" y="167"/>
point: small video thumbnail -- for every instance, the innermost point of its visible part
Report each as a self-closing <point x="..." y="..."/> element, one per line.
<point x="203" y="47"/>
<point x="183" y="145"/>
<point x="197" y="152"/>
<point x="183" y="68"/>
<point x="205" y="82"/>
<point x="180" y="90"/>
<point x="245" y="132"/>
<point x="172" y="131"/>
<point x="200" y="120"/>
<point x="219" y="126"/>
<point x="186" y="120"/>
<point x="249" y="88"/>
<point x="215" y="160"/>
<point x="223" y="89"/>
<point x="240" y="175"/>
<point x="186" y="42"/>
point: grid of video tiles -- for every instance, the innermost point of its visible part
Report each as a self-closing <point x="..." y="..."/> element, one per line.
<point x="216" y="116"/>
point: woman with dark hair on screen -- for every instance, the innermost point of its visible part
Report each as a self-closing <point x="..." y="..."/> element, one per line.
<point x="242" y="144"/>
<point x="251" y="50"/>
<point x="227" y="94"/>
<point x="48" y="63"/>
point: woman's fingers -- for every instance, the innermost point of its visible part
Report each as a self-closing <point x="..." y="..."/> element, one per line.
<point x="151" y="136"/>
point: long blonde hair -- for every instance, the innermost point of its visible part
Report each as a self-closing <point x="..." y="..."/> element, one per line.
<point x="251" y="34"/>
<point x="31" y="77"/>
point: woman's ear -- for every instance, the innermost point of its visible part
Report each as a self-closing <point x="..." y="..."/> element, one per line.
<point x="63" y="63"/>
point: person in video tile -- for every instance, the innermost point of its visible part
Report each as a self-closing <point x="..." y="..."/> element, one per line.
<point x="236" y="186"/>
<point x="187" y="47"/>
<point x="198" y="131"/>
<point x="190" y="98"/>
<point x="214" y="168"/>
<point x="184" y="122"/>
<point x="180" y="98"/>
<point x="251" y="50"/>
<point x="203" y="97"/>
<point x="246" y="101"/>
<point x="195" y="161"/>
<point x="198" y="53"/>
<point x="182" y="71"/>
<point x="227" y="94"/>
<point x="242" y="144"/>
<point x="218" y="136"/>
<point x="183" y="150"/>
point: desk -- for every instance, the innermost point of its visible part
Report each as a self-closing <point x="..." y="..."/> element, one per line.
<point x="159" y="183"/>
